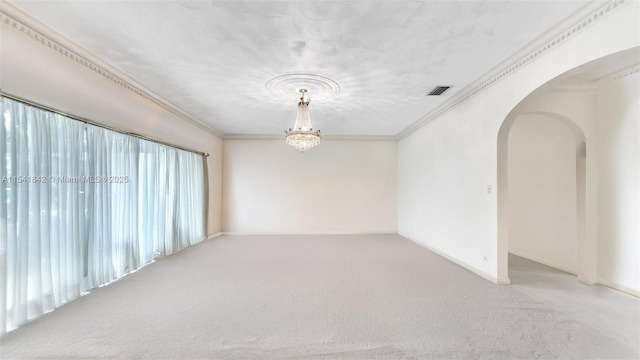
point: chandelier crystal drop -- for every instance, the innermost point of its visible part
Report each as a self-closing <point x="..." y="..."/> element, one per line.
<point x="302" y="136"/>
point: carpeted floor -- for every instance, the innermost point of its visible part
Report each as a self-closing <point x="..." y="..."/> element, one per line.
<point x="322" y="297"/>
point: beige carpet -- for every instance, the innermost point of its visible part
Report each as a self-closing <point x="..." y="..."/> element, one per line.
<point x="312" y="297"/>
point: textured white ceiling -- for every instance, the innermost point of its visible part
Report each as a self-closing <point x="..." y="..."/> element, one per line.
<point x="215" y="58"/>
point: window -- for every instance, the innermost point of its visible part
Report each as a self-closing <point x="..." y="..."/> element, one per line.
<point x="81" y="206"/>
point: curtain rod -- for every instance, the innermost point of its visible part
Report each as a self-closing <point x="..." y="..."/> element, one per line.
<point x="90" y="122"/>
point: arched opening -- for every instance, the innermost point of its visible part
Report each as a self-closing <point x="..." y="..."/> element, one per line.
<point x="545" y="178"/>
<point x="572" y="100"/>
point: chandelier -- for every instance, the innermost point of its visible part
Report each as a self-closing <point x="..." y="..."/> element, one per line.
<point x="302" y="136"/>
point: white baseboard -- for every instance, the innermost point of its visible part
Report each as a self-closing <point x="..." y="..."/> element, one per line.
<point x="619" y="287"/>
<point x="212" y="236"/>
<point x="547" y="262"/>
<point x="586" y="281"/>
<point x="459" y="262"/>
<point x="572" y="271"/>
<point x="309" y="233"/>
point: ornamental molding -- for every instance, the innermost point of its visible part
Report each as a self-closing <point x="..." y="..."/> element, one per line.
<point x="536" y="49"/>
<point x="583" y="88"/>
<point x="18" y="20"/>
<point x="324" y="137"/>
<point x="624" y="73"/>
<point x="320" y="86"/>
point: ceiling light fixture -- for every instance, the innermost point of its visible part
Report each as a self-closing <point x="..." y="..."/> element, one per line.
<point x="302" y="136"/>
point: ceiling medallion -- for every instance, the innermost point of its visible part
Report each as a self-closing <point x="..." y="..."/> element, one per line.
<point x="302" y="136"/>
<point x="320" y="86"/>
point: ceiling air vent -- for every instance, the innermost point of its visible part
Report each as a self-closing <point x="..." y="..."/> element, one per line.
<point x="438" y="90"/>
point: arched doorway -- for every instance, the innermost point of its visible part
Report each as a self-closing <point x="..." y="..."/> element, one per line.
<point x="569" y="99"/>
<point x="571" y="227"/>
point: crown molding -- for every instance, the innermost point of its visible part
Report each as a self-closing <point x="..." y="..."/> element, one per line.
<point x="324" y="137"/>
<point x="19" y="20"/>
<point x="588" y="87"/>
<point x="581" y="20"/>
<point x="618" y="75"/>
<point x="592" y="85"/>
<point x="305" y="233"/>
<point x="360" y="137"/>
<point x="253" y="137"/>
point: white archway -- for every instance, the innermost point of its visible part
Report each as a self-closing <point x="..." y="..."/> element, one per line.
<point x="586" y="243"/>
<point x="585" y="134"/>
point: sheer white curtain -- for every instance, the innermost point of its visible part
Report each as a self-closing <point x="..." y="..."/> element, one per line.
<point x="81" y="206"/>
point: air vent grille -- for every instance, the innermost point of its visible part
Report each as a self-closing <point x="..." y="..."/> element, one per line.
<point x="438" y="90"/>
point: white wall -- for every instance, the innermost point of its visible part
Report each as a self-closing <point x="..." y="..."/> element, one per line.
<point x="445" y="166"/>
<point x="443" y="172"/>
<point x="340" y="186"/>
<point x="32" y="71"/>
<point x="543" y="192"/>
<point x="618" y="182"/>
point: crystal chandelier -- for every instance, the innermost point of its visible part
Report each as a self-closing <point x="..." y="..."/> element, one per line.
<point x="302" y="136"/>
